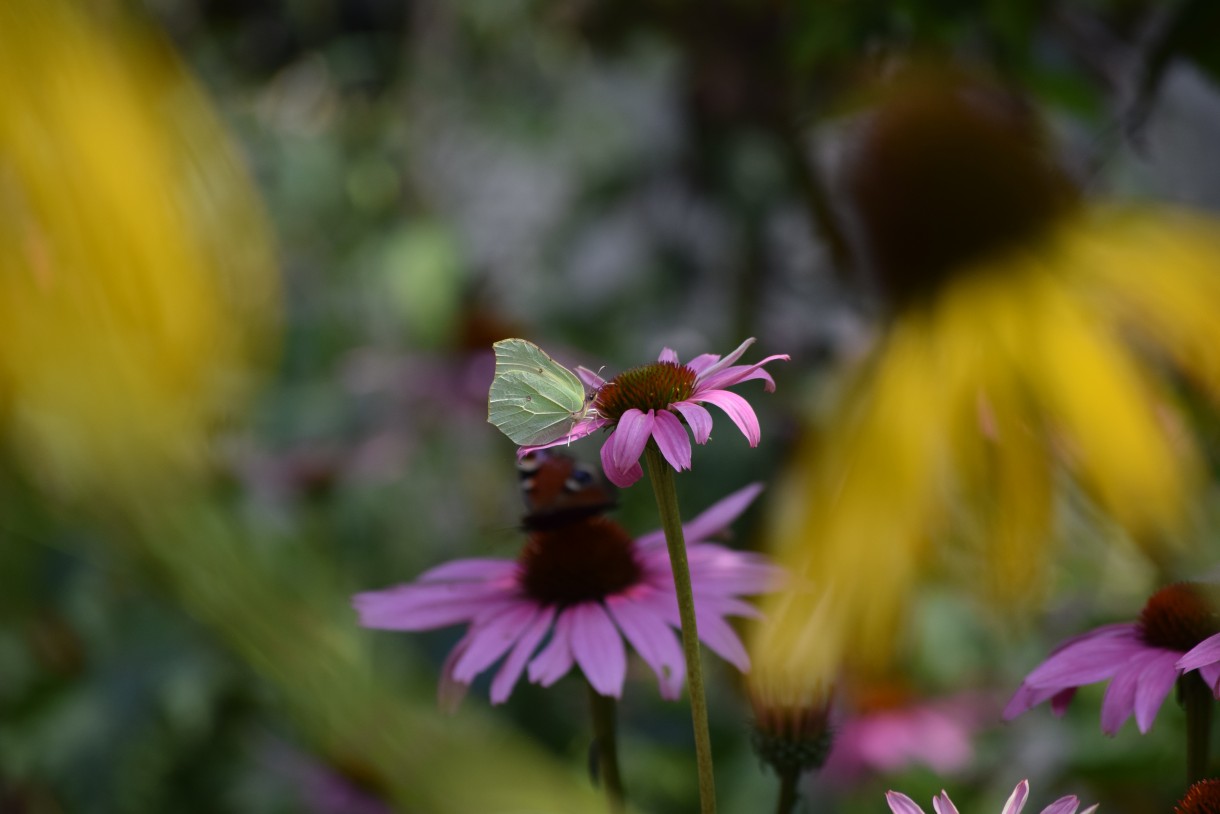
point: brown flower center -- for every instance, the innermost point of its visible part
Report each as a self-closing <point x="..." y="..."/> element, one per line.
<point x="581" y="561"/>
<point x="651" y="387"/>
<point x="1201" y="798"/>
<point x="1181" y="615"/>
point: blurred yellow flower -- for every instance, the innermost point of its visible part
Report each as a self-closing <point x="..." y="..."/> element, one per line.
<point x="136" y="275"/>
<point x="1043" y="350"/>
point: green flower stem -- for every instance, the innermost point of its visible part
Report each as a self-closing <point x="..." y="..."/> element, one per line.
<point x="787" y="790"/>
<point x="662" y="477"/>
<point x="1197" y="700"/>
<point x="605" y="741"/>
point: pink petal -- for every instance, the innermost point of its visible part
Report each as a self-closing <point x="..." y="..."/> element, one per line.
<point x="899" y="803"/>
<point x="672" y="440"/>
<point x="1205" y="652"/>
<point x="506" y="678"/>
<point x="943" y="804"/>
<point x="1085" y="662"/>
<point x="619" y="479"/>
<point x="429" y="606"/>
<point x="555" y="659"/>
<point x="654" y="640"/>
<point x="586" y="426"/>
<point x="1155" y="681"/>
<point x="625" y="446"/>
<point x="697" y="417"/>
<point x="702" y="362"/>
<point x="668" y="355"/>
<point x="1025" y="699"/>
<point x="490" y="640"/>
<point x="470" y="569"/>
<point x="742" y="373"/>
<point x="598" y="648"/>
<point x="1119" y="701"/>
<point x="1211" y="677"/>
<point x="721" y="364"/>
<point x="737" y="409"/>
<point x="729" y="606"/>
<point x="1061" y="699"/>
<point x="714" y="519"/>
<point x="1064" y="805"/>
<point x="720" y="637"/>
<point x="1016" y="800"/>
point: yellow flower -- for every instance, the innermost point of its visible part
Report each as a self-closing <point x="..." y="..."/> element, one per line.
<point x="1043" y="350"/>
<point x="136" y="277"/>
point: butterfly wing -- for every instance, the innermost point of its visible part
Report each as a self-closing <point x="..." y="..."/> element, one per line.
<point x="559" y="491"/>
<point x="533" y="399"/>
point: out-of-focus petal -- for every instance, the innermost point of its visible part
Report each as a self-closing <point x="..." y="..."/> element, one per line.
<point x="712" y="520"/>
<point x="1204" y="653"/>
<point x="668" y="355"/>
<point x="1156" y="680"/>
<point x="469" y="569"/>
<point x="506" y="678"/>
<point x="493" y="637"/>
<point x="598" y="648"/>
<point x="899" y="803"/>
<point x="1084" y="663"/>
<point x="426" y="607"/>
<point x="654" y="640"/>
<point x="555" y="660"/>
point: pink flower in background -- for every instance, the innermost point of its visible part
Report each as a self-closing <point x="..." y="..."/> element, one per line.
<point x="650" y="402"/>
<point x="1175" y="634"/>
<point x="901" y="804"/>
<point x="588" y="585"/>
<point x="936" y="733"/>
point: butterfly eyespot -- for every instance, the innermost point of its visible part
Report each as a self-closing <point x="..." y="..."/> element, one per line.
<point x="530" y="462"/>
<point x="579" y="479"/>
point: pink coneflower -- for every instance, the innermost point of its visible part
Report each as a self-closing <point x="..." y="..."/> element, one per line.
<point x="1178" y="631"/>
<point x="893" y="730"/>
<point x="901" y="804"/>
<point x="589" y="585"/>
<point x="649" y="402"/>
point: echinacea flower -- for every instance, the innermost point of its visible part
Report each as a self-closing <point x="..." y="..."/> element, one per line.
<point x="1017" y="352"/>
<point x="1202" y="797"/>
<point x="1178" y="632"/>
<point x="588" y="585"/>
<point x="891" y="730"/>
<point x="651" y="402"/>
<point x="901" y="804"/>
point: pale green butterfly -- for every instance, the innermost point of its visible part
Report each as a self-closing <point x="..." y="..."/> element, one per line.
<point x="533" y="399"/>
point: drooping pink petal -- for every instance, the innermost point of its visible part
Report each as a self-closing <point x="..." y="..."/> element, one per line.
<point x="586" y="426"/>
<point x="510" y="671"/>
<point x="899" y="803"/>
<point x="469" y="569"/>
<point x="654" y="640"/>
<point x="1203" y="653"/>
<point x="942" y="804"/>
<point x="621" y="479"/>
<point x="598" y="648"/>
<point x="1060" y="701"/>
<point x="1025" y="699"/>
<point x="1085" y="662"/>
<point x="1016" y="800"/>
<point x="714" y="519"/>
<point x="492" y="638"/>
<point x="555" y="660"/>
<point x="729" y="606"/>
<point x="622" y="450"/>
<point x="721" y="364"/>
<point x="1155" y="681"/>
<point x="721" y="639"/>
<point x="672" y="440"/>
<point x="737" y="409"/>
<point x="668" y="355"/>
<point x="697" y="417"/>
<point x="1119" y="700"/>
<point x="429" y="606"/>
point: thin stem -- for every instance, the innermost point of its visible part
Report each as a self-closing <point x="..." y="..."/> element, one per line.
<point x="1197" y="700"/>
<point x="662" y="477"/>
<point x="605" y="741"/>
<point x="787" y="790"/>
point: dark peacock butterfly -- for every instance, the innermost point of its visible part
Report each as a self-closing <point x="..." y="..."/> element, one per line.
<point x="559" y="490"/>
